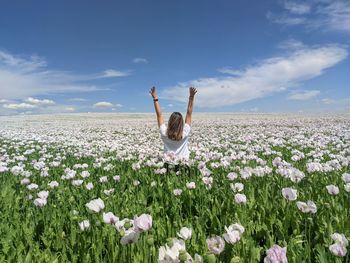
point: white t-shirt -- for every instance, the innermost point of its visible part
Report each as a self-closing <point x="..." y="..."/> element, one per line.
<point x="180" y="148"/>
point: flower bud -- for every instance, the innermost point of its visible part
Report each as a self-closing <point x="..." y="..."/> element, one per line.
<point x="210" y="258"/>
<point x="183" y="255"/>
<point x="170" y="242"/>
<point x="235" y="260"/>
<point x="150" y="240"/>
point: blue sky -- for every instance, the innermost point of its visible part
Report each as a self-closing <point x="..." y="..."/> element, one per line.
<point x="85" y="56"/>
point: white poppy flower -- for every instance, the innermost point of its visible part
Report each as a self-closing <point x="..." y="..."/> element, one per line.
<point x="110" y="218"/>
<point x="89" y="186"/>
<point x="103" y="179"/>
<point x="338" y="250"/>
<point x="95" y="205"/>
<point x="332" y="189"/>
<point x="237" y="187"/>
<point x="116" y="178"/>
<point x="53" y="184"/>
<point x="32" y="186"/>
<point x="240" y="198"/>
<point x="43" y="194"/>
<point x="25" y="181"/>
<point x="77" y="182"/>
<point x="347" y="187"/>
<point x="309" y="207"/>
<point x="85" y="174"/>
<point x="191" y="185"/>
<point x="40" y="202"/>
<point x="289" y="194"/>
<point x="346" y="178"/>
<point x="177" y="192"/>
<point x="185" y="233"/>
<point x="109" y="191"/>
<point x="84" y="225"/>
<point x="215" y="244"/>
<point x="340" y="238"/>
<point x="130" y="236"/>
<point x="143" y="222"/>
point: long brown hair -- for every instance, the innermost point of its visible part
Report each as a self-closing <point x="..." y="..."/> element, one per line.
<point x="175" y="126"/>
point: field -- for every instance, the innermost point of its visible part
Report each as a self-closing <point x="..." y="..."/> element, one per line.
<point x="93" y="188"/>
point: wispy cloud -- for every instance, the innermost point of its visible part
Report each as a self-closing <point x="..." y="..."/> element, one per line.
<point x="317" y="14"/>
<point x="303" y="94"/>
<point x="269" y="76"/>
<point x="297" y="8"/>
<point x="30" y="64"/>
<point x="112" y="73"/>
<point x="291" y="44"/>
<point x="139" y="60"/>
<point x="328" y="101"/>
<point x="230" y="71"/>
<point x="286" y="19"/>
<point x="335" y="15"/>
<point x="77" y="99"/>
<point x="22" y="77"/>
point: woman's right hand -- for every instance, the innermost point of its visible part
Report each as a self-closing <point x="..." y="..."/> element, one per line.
<point x="193" y="91"/>
<point x="153" y="92"/>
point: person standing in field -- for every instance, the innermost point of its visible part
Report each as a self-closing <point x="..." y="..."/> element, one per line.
<point x="175" y="135"/>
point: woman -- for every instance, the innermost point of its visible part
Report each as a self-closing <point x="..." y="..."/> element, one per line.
<point x="175" y="136"/>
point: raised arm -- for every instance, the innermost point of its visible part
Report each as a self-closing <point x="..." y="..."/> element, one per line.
<point x="193" y="92"/>
<point x="160" y="117"/>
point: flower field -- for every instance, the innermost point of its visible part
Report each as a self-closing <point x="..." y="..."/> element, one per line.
<point x="94" y="188"/>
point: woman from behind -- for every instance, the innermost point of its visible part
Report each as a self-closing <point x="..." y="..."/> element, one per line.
<point x="175" y="135"/>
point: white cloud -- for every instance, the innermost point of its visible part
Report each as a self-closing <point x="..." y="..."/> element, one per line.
<point x="291" y="44"/>
<point x="24" y="65"/>
<point x="286" y="19"/>
<point x="303" y="94"/>
<point x="297" y="8"/>
<point x="2" y="101"/>
<point x="22" y="77"/>
<point x="270" y="76"/>
<point x="38" y="102"/>
<point x="69" y="109"/>
<point x="327" y="101"/>
<point x="317" y="14"/>
<point x="103" y="104"/>
<point x="35" y="106"/>
<point x="139" y="60"/>
<point x="230" y="71"/>
<point x="335" y="15"/>
<point x="112" y="73"/>
<point x="118" y="105"/>
<point x="53" y="109"/>
<point x="19" y="106"/>
<point x="77" y="99"/>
